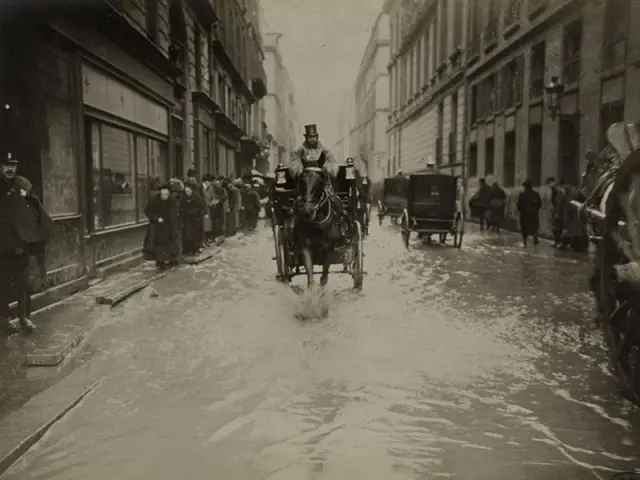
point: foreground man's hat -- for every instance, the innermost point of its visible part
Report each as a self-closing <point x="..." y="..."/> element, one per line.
<point x="310" y="130"/>
<point x="8" y="159"/>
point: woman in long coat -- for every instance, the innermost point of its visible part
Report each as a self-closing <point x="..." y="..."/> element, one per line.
<point x="192" y="211"/>
<point x="165" y="229"/>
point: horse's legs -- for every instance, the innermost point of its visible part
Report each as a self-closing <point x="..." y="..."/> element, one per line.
<point x="308" y="265"/>
<point x="326" y="264"/>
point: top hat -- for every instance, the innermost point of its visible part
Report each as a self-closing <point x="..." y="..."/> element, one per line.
<point x="8" y="159"/>
<point x="311" y="130"/>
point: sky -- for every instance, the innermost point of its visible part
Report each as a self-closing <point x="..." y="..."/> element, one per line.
<point x="322" y="44"/>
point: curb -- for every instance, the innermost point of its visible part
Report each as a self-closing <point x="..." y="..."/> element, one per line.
<point x="54" y="356"/>
<point x="118" y="296"/>
<point x="24" y="428"/>
<point x="203" y="257"/>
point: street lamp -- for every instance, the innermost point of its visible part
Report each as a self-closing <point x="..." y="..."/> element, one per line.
<point x="554" y="91"/>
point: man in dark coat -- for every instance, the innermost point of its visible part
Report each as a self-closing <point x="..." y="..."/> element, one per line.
<point x="252" y="206"/>
<point x="25" y="229"/>
<point x="529" y="205"/>
<point x="480" y="201"/>
<point x="192" y="210"/>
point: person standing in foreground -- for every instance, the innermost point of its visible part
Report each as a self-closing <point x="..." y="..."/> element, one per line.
<point x="163" y="215"/>
<point x="25" y="228"/>
<point x="529" y="205"/>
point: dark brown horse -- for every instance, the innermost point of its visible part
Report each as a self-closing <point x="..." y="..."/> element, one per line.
<point x="319" y="225"/>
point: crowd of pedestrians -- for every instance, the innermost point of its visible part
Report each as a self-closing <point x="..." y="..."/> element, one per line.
<point x="185" y="216"/>
<point x="488" y="205"/>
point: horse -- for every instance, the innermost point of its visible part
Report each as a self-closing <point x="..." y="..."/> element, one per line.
<point x="319" y="226"/>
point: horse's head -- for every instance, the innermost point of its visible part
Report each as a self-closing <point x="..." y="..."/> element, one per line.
<point x="311" y="187"/>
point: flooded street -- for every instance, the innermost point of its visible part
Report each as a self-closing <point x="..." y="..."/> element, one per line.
<point x="478" y="363"/>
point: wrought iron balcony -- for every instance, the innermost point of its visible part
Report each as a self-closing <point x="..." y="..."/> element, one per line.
<point x="536" y="7"/>
<point x="490" y="35"/>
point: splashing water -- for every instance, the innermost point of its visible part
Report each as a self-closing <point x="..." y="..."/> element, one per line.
<point x="313" y="303"/>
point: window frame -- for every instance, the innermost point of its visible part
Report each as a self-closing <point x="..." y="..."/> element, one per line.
<point x="134" y="134"/>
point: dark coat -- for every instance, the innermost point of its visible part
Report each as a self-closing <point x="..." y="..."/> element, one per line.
<point x="497" y="199"/>
<point x="24" y="223"/>
<point x="529" y="205"/>
<point x="253" y="204"/>
<point x="479" y="201"/>
<point x="192" y="211"/>
<point x="164" y="237"/>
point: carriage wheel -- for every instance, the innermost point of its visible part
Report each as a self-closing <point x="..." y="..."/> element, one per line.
<point x="276" y="243"/>
<point x="282" y="239"/>
<point x="404" y="228"/>
<point x="357" y="272"/>
<point x="624" y="322"/>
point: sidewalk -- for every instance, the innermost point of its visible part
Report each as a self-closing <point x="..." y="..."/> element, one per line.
<point x="61" y="330"/>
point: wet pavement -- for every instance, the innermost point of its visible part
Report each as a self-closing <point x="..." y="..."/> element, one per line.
<point x="478" y="363"/>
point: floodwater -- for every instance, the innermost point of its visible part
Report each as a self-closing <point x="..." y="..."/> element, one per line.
<point x="476" y="364"/>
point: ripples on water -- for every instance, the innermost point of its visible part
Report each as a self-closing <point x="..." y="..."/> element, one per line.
<point x="471" y="364"/>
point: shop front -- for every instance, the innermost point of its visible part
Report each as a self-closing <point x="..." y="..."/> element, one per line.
<point x="127" y="144"/>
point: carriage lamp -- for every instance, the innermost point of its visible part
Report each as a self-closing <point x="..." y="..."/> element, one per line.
<point x="554" y="90"/>
<point x="281" y="175"/>
<point x="351" y="170"/>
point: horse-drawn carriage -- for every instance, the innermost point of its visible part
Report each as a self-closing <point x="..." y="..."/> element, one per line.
<point x="294" y="256"/>
<point x="394" y="198"/>
<point x="433" y="207"/>
<point x="611" y="211"/>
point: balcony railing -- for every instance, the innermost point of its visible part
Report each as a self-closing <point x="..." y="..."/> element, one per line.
<point x="490" y="35"/>
<point x="536" y="7"/>
<point x="473" y="48"/>
<point x="512" y="13"/>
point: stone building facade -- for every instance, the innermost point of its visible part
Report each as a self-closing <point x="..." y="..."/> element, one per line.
<point x="426" y="72"/>
<point x="371" y="91"/>
<point x="108" y="98"/>
<point x="284" y="130"/>
<point x="514" y="49"/>
<point x="346" y="144"/>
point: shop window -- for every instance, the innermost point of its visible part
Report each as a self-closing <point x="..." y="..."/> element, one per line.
<point x="473" y="160"/>
<point x="124" y="165"/>
<point x="489" y="157"/>
<point x="534" y="166"/>
<point x="509" y="177"/>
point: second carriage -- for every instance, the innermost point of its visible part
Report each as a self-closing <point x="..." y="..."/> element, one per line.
<point x="434" y="207"/>
<point x="394" y="198"/>
<point x="288" y="263"/>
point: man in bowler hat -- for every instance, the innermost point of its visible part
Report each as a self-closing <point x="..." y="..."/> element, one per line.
<point x="25" y="228"/>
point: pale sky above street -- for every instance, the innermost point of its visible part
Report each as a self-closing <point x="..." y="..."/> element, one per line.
<point x="322" y="44"/>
